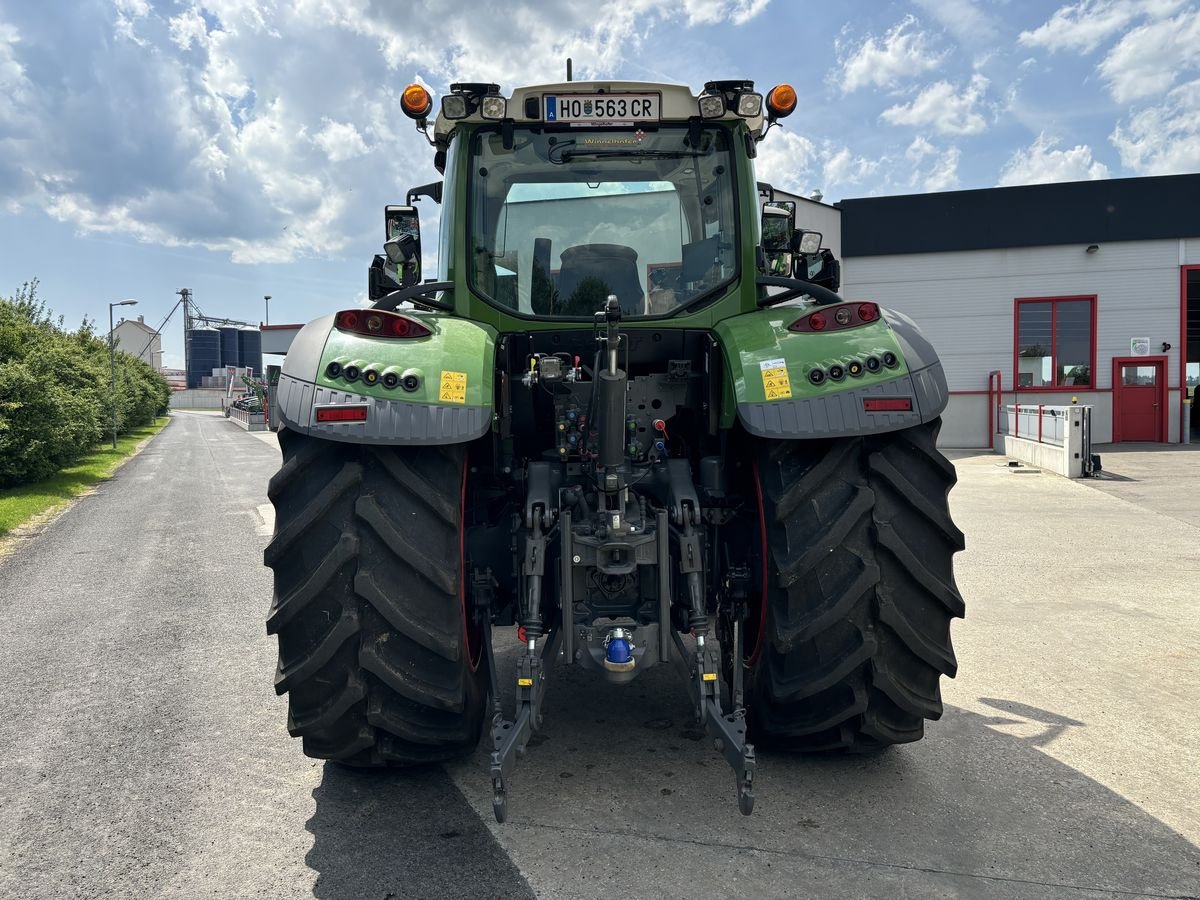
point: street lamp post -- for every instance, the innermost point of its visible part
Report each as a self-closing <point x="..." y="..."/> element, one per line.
<point x="267" y="304"/>
<point x="112" y="359"/>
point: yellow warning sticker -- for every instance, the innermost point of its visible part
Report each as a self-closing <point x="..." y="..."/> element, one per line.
<point x="525" y="682"/>
<point x="776" y="385"/>
<point x="453" y="388"/>
<point x="709" y="676"/>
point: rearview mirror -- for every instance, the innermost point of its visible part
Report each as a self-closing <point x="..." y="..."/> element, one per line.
<point x="778" y="223"/>
<point x="779" y="262"/>
<point x="402" y="242"/>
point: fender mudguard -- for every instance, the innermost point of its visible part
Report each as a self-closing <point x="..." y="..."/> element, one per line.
<point x="770" y="375"/>
<point x="443" y="392"/>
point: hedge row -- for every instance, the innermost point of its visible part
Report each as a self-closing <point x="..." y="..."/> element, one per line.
<point x="56" y="399"/>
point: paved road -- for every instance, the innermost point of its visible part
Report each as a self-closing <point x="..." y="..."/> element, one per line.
<point x="143" y="752"/>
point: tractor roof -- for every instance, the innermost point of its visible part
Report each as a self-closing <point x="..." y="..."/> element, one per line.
<point x="677" y="103"/>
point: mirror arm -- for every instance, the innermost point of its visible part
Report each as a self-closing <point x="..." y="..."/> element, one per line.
<point x="798" y="287"/>
<point x="432" y="190"/>
<point x="417" y="294"/>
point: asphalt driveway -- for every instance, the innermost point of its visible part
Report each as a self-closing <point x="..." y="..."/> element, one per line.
<point x="143" y="752"/>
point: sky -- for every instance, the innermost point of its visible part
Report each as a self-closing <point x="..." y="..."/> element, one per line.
<point x="246" y="147"/>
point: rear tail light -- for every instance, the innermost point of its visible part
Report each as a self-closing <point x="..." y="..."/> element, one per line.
<point x="380" y="323"/>
<point x="849" y="315"/>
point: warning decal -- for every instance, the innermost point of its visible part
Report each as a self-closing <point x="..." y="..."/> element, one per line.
<point x="453" y="388"/>
<point x="776" y="385"/>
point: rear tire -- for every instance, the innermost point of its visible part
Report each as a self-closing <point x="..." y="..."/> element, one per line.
<point x="853" y="633"/>
<point x="374" y="652"/>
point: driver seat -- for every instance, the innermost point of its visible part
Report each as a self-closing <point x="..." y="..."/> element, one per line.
<point x="588" y="273"/>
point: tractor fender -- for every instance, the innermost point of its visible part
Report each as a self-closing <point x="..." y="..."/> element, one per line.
<point x="770" y="371"/>
<point x="444" y="394"/>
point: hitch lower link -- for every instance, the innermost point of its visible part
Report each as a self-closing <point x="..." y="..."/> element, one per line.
<point x="728" y="730"/>
<point x="510" y="737"/>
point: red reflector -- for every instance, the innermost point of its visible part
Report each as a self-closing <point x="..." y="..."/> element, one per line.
<point x="816" y="321"/>
<point x="868" y="312"/>
<point x="342" y="413"/>
<point x="347" y="319"/>
<point x="887" y="404"/>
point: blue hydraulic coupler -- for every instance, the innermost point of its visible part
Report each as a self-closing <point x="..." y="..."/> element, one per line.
<point x="618" y="651"/>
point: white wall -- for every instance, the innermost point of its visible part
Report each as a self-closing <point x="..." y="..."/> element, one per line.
<point x="135" y="339"/>
<point x="964" y="303"/>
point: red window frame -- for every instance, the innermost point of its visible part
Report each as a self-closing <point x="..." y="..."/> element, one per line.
<point x="1051" y="388"/>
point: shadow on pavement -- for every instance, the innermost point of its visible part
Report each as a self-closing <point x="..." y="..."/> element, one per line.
<point x="976" y="809"/>
<point x="382" y="835"/>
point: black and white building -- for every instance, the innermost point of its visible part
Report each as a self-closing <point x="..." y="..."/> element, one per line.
<point x="1084" y="292"/>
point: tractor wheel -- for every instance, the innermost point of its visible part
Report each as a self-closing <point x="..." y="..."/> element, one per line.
<point x="377" y="655"/>
<point x="852" y="632"/>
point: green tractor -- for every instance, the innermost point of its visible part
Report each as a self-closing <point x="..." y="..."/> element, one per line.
<point x="632" y="417"/>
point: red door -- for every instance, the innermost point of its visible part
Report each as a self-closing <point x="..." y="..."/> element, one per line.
<point x="1139" y="399"/>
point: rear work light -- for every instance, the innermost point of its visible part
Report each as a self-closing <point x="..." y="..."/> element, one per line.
<point x="849" y="315"/>
<point x="887" y="404"/>
<point x="356" y="412"/>
<point x="380" y="323"/>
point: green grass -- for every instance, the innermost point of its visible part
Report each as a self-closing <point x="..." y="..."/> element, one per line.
<point x="21" y="504"/>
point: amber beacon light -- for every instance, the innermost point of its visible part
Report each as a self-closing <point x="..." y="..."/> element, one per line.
<point x="781" y="101"/>
<point x="416" y="102"/>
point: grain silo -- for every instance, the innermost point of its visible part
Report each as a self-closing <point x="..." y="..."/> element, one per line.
<point x="250" y="349"/>
<point x="230" y="346"/>
<point x="203" y="354"/>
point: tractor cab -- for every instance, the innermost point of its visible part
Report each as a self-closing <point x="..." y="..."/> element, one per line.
<point x="565" y="194"/>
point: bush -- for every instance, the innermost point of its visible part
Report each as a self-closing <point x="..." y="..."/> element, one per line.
<point x="55" y="390"/>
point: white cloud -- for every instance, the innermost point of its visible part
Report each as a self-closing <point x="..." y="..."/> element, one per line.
<point x="970" y="25"/>
<point x="12" y="73"/>
<point x="944" y="108"/>
<point x="943" y="175"/>
<point x="1042" y="163"/>
<point x="270" y="130"/>
<point x="1148" y="59"/>
<point x="340" y="141"/>
<point x="711" y="12"/>
<point x="903" y="53"/>
<point x="1083" y="26"/>
<point x="919" y="149"/>
<point x="932" y="169"/>
<point x="188" y="28"/>
<point x="1163" y="139"/>
<point x="843" y="167"/>
<point x="785" y="160"/>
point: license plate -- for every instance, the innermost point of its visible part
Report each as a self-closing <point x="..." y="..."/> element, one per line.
<point x="600" y="109"/>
